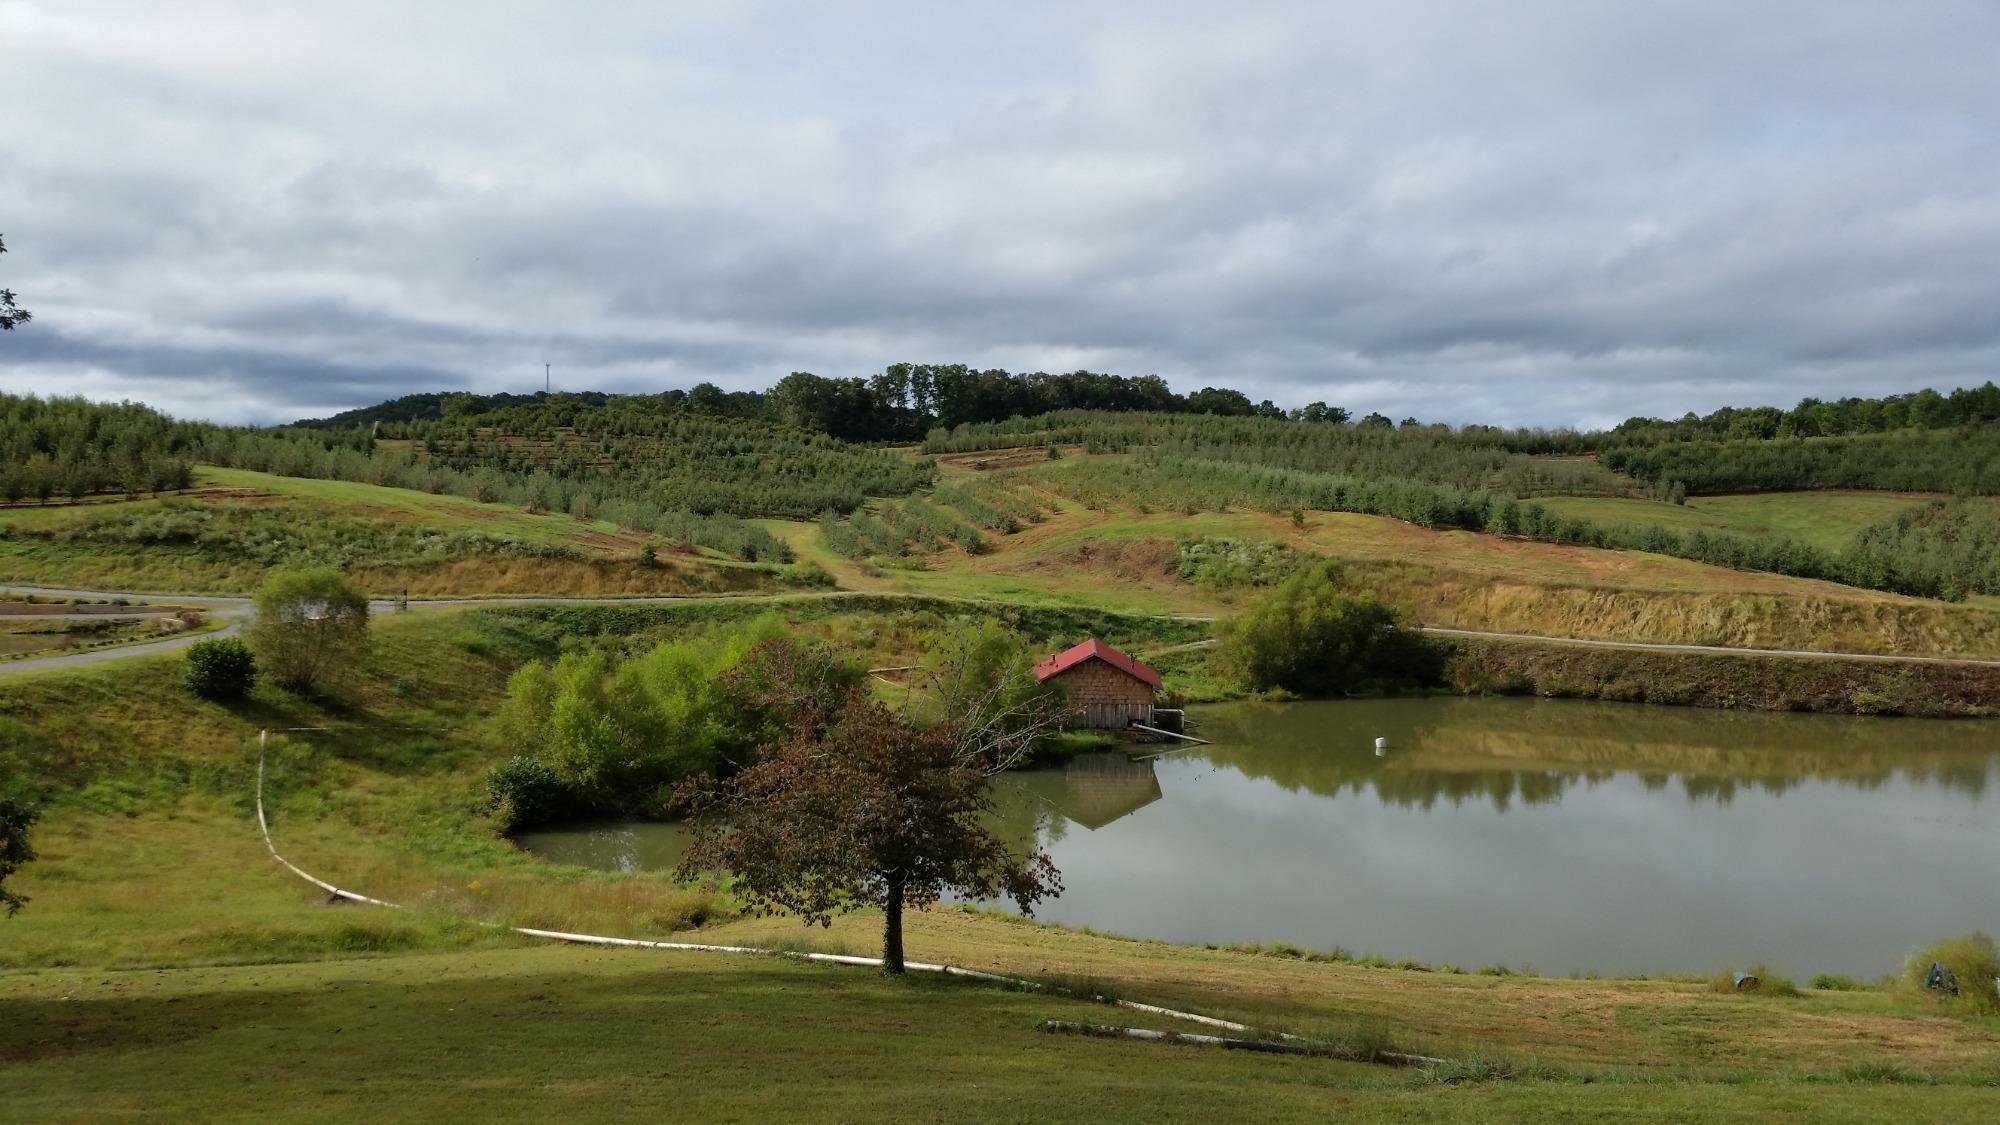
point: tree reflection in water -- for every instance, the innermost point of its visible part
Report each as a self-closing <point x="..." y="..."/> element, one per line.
<point x="1510" y="752"/>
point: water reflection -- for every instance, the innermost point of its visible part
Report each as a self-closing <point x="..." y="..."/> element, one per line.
<point x="1529" y="752"/>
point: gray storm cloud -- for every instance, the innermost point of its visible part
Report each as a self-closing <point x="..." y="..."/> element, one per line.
<point x="1532" y="212"/>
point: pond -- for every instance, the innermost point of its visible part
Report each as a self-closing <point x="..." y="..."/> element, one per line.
<point x="1571" y="837"/>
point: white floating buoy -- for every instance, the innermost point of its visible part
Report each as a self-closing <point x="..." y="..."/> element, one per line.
<point x="1381" y="747"/>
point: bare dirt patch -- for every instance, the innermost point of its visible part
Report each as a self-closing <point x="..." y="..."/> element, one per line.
<point x="989" y="460"/>
<point x="1133" y="560"/>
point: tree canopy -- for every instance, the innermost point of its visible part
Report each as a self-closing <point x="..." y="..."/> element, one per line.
<point x="311" y="625"/>
<point x="857" y="806"/>
<point x="1309" y="638"/>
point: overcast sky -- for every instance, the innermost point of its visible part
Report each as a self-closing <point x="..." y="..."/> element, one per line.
<point x="1522" y="211"/>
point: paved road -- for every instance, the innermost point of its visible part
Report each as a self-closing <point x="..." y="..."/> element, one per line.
<point x="238" y="610"/>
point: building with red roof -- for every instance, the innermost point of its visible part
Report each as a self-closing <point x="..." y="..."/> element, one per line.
<point x="1108" y="689"/>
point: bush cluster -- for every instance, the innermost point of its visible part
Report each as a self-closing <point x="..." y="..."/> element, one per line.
<point x="221" y="669"/>
<point x="1309" y="638"/>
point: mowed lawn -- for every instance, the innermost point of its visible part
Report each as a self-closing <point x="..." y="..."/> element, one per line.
<point x="1826" y="519"/>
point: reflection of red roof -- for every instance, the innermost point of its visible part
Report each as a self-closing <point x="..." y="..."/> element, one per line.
<point x="1070" y="658"/>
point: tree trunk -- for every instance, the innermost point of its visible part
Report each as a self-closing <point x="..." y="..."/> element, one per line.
<point x="892" y="927"/>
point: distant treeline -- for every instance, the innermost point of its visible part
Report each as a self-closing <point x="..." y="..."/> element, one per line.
<point x="1476" y="457"/>
<point x="902" y="404"/>
<point x="909" y="401"/>
<point x="1959" y="459"/>
<point x="71" y="448"/>
<point x="1812" y="417"/>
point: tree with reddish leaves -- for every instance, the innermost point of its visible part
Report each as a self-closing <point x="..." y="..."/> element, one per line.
<point x="856" y="807"/>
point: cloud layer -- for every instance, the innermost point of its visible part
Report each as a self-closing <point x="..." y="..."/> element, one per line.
<point x="1532" y="211"/>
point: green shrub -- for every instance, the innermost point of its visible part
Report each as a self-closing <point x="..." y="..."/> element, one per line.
<point x="1974" y="962"/>
<point x="522" y="791"/>
<point x="311" y="625"/>
<point x="813" y="575"/>
<point x="1834" y="982"/>
<point x="1310" y="639"/>
<point x="221" y="669"/>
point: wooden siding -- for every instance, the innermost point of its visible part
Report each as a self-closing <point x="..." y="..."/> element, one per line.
<point x="1105" y="697"/>
<point x="1112" y="716"/>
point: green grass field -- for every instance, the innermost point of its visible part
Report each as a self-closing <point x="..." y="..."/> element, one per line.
<point x="1828" y="520"/>
<point x="165" y="964"/>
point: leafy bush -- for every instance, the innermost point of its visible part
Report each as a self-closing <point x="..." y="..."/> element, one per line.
<point x="811" y="574"/>
<point x="1310" y="639"/>
<point x="311" y="625"/>
<point x="522" y="791"/>
<point x="221" y="669"/>
<point x="616" y="735"/>
<point x="1974" y="962"/>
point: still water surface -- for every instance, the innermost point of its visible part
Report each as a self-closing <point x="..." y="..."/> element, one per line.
<point x="1573" y="837"/>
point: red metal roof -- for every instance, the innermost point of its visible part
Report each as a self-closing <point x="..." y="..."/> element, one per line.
<point x="1070" y="658"/>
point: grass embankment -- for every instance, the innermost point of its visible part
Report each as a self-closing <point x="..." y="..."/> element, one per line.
<point x="387" y="539"/>
<point x="1757" y="683"/>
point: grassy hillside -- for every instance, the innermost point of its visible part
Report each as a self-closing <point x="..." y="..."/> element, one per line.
<point x="1828" y="519"/>
<point x="1060" y="551"/>
<point x="166" y="964"/>
<point x="234" y="525"/>
<point x="1117" y="555"/>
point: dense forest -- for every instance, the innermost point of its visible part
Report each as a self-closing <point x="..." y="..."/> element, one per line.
<point x="1812" y="417"/>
